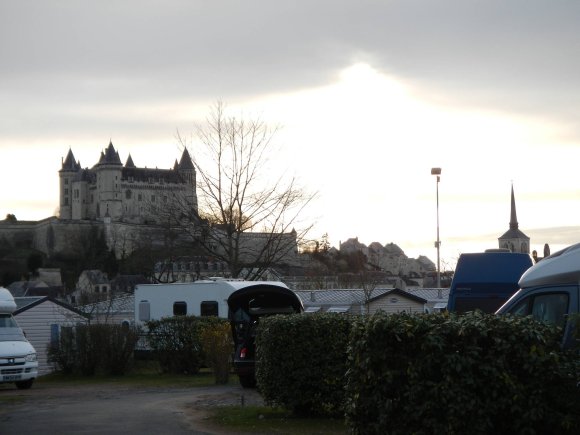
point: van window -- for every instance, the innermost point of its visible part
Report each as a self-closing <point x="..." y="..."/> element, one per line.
<point x="545" y="307"/>
<point x="209" y="308"/>
<point x="179" y="308"/>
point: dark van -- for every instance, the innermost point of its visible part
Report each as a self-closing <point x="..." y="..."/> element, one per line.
<point x="485" y="280"/>
<point x="246" y="307"/>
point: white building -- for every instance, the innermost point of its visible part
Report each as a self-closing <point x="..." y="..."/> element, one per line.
<point x="41" y="319"/>
<point x="123" y="192"/>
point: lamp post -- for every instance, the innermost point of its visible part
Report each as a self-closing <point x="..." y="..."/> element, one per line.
<point x="437" y="172"/>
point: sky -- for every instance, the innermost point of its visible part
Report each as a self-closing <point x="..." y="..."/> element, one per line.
<point x="370" y="95"/>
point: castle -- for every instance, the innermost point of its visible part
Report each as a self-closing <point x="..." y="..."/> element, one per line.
<point x="123" y="193"/>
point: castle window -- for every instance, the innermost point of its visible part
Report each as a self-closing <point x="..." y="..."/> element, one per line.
<point x="152" y="198"/>
<point x="139" y="197"/>
<point x="66" y="181"/>
<point x="66" y="191"/>
<point x="164" y="198"/>
<point x="128" y="194"/>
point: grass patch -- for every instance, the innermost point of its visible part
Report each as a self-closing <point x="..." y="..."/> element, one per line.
<point x="261" y="419"/>
<point x="144" y="374"/>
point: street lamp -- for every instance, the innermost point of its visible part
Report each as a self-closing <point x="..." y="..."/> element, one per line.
<point x="437" y="172"/>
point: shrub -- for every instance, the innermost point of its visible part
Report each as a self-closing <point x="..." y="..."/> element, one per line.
<point x="176" y="342"/>
<point x="217" y="345"/>
<point x="301" y="362"/>
<point x="454" y="374"/>
<point x="88" y="349"/>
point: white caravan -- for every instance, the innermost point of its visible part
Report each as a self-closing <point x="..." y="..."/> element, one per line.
<point x="199" y="298"/>
<point x="18" y="362"/>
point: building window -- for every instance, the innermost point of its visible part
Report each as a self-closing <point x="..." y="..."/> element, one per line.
<point x="128" y="194"/>
<point x="209" y="308"/>
<point x="66" y="181"/>
<point x="139" y="197"/>
<point x="152" y="198"/>
<point x="179" y="308"/>
<point x="66" y="191"/>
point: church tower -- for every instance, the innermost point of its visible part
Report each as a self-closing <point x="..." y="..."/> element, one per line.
<point x="513" y="239"/>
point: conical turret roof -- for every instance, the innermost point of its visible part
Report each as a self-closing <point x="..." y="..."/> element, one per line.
<point x="69" y="163"/>
<point x="185" y="163"/>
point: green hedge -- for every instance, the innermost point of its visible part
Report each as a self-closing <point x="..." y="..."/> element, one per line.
<point x="301" y="362"/>
<point x="177" y="342"/>
<point x="88" y="349"/>
<point x="475" y="373"/>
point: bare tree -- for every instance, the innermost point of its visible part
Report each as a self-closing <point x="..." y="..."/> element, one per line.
<point x="248" y="215"/>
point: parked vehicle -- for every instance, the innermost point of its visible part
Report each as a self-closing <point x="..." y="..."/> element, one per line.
<point x="199" y="298"/>
<point x="18" y="362"/>
<point x="246" y="307"/>
<point x="242" y="302"/>
<point x="550" y="292"/>
<point x="485" y="280"/>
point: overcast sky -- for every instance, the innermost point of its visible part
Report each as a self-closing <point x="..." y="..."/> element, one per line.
<point x="370" y="94"/>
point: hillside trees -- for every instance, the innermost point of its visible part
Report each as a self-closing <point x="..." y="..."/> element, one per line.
<point x="248" y="213"/>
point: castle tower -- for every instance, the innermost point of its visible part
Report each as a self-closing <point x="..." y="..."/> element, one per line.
<point x="513" y="239"/>
<point x="187" y="171"/>
<point x="67" y="173"/>
<point x="109" y="171"/>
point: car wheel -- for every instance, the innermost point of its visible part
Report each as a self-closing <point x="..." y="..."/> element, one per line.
<point x="247" y="381"/>
<point x="24" y="385"/>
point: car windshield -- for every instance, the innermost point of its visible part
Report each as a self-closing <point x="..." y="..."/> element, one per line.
<point x="9" y="330"/>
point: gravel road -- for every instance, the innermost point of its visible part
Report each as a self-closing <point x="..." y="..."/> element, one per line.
<point x="115" y="409"/>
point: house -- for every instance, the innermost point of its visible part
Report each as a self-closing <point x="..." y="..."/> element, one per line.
<point x="92" y="285"/>
<point x="396" y="301"/>
<point x="41" y="319"/>
<point x="354" y="301"/>
<point x="436" y="297"/>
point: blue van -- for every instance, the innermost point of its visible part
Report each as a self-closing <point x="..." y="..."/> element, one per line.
<point x="485" y="280"/>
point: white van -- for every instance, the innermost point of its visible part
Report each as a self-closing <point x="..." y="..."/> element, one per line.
<point x="550" y="292"/>
<point x="18" y="362"/>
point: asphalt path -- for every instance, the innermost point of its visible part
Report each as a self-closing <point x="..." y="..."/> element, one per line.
<point x="113" y="409"/>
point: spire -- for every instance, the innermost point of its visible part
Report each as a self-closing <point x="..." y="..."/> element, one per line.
<point x="69" y="163"/>
<point x="513" y="217"/>
<point x="185" y="163"/>
<point x="110" y="156"/>
<point x="129" y="163"/>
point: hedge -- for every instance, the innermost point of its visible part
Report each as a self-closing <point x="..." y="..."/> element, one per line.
<point x="177" y="342"/>
<point x="474" y="373"/>
<point x="301" y="362"/>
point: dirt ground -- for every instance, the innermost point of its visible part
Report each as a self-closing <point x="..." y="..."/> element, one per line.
<point x="116" y="409"/>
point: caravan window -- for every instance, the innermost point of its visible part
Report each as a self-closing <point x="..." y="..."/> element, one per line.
<point x="209" y="308"/>
<point x="179" y="308"/>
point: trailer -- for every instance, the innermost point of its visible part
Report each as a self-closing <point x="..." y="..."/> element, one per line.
<point x="199" y="298"/>
<point x="243" y="303"/>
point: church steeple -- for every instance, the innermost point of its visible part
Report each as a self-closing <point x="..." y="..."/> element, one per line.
<point x="513" y="217"/>
<point x="513" y="239"/>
